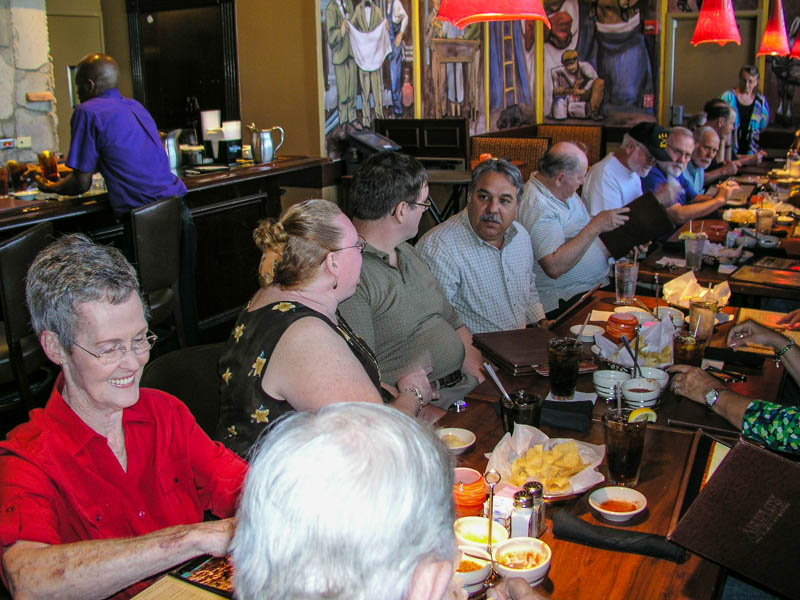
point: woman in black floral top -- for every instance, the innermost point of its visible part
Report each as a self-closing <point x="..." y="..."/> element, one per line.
<point x="290" y="349"/>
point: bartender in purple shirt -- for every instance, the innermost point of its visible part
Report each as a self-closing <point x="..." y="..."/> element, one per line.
<point x="117" y="137"/>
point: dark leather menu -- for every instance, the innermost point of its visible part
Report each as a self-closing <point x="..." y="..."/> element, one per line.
<point x="745" y="517"/>
<point x="516" y="352"/>
<point x="647" y="221"/>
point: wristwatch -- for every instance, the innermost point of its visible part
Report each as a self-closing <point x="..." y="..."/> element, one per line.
<point x="711" y="398"/>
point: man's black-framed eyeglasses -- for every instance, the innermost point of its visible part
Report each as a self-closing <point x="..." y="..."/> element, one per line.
<point x="425" y="205"/>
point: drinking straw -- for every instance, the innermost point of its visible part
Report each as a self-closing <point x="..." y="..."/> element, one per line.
<point x="697" y="325"/>
<point x="580" y="333"/>
<point x="618" y="397"/>
<point x="499" y="385"/>
<point x="690" y="226"/>
<point x="635" y="254"/>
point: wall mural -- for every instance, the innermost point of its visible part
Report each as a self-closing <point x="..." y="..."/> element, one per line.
<point x="367" y="64"/>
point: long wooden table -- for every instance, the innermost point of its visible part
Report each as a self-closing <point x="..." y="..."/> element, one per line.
<point x="580" y="571"/>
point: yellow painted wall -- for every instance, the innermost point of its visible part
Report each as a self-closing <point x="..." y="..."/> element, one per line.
<point x="279" y="80"/>
<point x="115" y="27"/>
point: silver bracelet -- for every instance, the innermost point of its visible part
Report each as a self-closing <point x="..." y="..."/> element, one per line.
<point x="418" y="394"/>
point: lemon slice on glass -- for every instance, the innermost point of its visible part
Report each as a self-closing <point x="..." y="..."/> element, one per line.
<point x="642" y="414"/>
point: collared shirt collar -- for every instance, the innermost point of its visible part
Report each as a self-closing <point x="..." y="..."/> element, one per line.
<point x="74" y="432"/>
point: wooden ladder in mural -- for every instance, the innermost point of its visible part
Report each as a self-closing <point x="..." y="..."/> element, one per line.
<point x="508" y="54"/>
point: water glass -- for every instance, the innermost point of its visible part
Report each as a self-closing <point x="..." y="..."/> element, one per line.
<point x="764" y="220"/>
<point x="626" y="272"/>
<point x="702" y="312"/>
<point x="694" y="252"/>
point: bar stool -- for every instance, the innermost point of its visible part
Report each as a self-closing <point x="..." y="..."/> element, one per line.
<point x="20" y="352"/>
<point x="156" y="234"/>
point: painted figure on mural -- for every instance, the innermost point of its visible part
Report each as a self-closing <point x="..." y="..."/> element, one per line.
<point x="507" y="47"/>
<point x="566" y="17"/>
<point x="577" y="90"/>
<point x="338" y="13"/>
<point x="620" y="55"/>
<point x="367" y="19"/>
<point x="398" y="22"/>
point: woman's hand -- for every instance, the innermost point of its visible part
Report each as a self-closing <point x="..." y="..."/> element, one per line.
<point x="692" y="382"/>
<point x="750" y="331"/>
<point x="790" y="319"/>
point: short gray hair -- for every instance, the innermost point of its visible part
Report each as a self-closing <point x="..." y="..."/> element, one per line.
<point x="70" y="271"/>
<point x="557" y="161"/>
<point x="678" y="130"/>
<point x="701" y="131"/>
<point x="497" y="165"/>
<point x="343" y="503"/>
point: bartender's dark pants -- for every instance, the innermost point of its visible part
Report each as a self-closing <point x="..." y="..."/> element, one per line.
<point x="186" y="279"/>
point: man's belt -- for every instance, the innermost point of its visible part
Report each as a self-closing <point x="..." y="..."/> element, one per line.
<point x="448" y="380"/>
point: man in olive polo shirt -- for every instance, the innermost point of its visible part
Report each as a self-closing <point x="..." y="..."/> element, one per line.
<point x="399" y="307"/>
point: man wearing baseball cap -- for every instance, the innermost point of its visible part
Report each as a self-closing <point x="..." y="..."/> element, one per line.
<point x="616" y="180"/>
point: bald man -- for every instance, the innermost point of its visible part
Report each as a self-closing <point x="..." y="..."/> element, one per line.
<point x="117" y="137"/>
<point x="570" y="258"/>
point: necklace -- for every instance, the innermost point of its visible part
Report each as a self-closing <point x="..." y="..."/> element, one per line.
<point x="345" y="328"/>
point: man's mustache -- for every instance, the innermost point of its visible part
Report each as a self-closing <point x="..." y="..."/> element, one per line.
<point x="491" y="219"/>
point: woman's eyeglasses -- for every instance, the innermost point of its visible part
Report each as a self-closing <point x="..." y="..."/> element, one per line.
<point x="115" y="354"/>
<point x="360" y="244"/>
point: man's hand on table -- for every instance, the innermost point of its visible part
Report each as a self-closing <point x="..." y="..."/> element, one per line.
<point x="727" y="188"/>
<point x="692" y="382"/>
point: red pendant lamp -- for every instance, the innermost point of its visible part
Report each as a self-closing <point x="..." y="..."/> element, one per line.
<point x="795" y="53"/>
<point x="774" y="42"/>
<point x="466" y="12"/>
<point x="716" y="23"/>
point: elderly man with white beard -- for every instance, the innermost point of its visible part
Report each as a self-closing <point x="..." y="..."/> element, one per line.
<point x="688" y="204"/>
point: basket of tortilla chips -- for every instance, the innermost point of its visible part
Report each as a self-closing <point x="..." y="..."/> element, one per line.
<point x="564" y="467"/>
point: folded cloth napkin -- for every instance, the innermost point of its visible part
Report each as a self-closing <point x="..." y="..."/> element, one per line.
<point x="567" y="415"/>
<point x="569" y="527"/>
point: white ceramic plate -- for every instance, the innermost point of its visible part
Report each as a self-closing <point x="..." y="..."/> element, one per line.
<point x="641" y="314"/>
<point x="588" y="333"/>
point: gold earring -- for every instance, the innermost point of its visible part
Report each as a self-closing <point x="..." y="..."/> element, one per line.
<point x="335" y="283"/>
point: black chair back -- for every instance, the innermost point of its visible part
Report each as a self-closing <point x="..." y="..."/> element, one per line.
<point x="156" y="233"/>
<point x="190" y="374"/>
<point x="16" y="256"/>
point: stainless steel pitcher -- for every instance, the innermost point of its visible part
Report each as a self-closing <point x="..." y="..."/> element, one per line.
<point x="261" y="143"/>
<point x="172" y="149"/>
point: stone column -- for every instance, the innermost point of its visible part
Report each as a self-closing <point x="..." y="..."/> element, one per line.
<point x="25" y="68"/>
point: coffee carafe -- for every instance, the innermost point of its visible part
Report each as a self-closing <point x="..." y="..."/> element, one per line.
<point x="261" y="143"/>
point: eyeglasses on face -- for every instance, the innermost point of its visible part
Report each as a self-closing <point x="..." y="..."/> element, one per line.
<point x="360" y="244"/>
<point x="678" y="154"/>
<point x="113" y="355"/>
<point x="425" y="205"/>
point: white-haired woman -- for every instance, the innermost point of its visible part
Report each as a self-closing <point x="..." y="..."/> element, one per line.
<point x="353" y="502"/>
<point x="107" y="485"/>
<point x="290" y="348"/>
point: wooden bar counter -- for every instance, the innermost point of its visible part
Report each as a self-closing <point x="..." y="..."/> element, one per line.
<point x="226" y="205"/>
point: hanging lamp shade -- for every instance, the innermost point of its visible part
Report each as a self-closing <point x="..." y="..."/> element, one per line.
<point x="774" y="42"/>
<point x="795" y="53"/>
<point x="466" y="12"/>
<point x="716" y="23"/>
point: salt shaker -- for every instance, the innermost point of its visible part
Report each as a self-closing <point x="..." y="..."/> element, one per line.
<point x="537" y="523"/>
<point x="521" y="514"/>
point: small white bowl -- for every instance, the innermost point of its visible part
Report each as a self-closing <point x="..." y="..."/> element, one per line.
<point x="640" y="398"/>
<point x="472" y="581"/>
<point x="534" y="575"/>
<point x="604" y="381"/>
<point x="588" y="333"/>
<point x="661" y="376"/>
<point x="474" y="532"/>
<point x="619" y="493"/>
<point x="457" y="440"/>
<point x="641" y="314"/>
